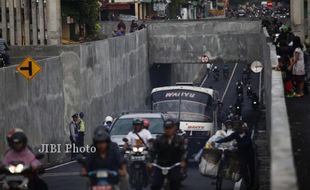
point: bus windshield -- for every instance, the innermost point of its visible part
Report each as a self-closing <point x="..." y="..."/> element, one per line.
<point x="184" y="104"/>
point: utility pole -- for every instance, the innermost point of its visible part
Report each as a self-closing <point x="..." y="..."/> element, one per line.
<point x="297" y="18"/>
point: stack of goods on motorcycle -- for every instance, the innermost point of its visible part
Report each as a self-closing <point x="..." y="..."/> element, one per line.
<point x="211" y="157"/>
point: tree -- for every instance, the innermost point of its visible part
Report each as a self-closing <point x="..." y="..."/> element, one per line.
<point x="85" y="12"/>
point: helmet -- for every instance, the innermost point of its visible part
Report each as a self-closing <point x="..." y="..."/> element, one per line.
<point x="10" y="133"/>
<point x="146" y="123"/>
<point x="215" y="67"/>
<point x="101" y="135"/>
<point x="75" y="115"/>
<point x="228" y="122"/>
<point x="19" y="137"/>
<point x="137" y="121"/>
<point x="169" y="123"/>
<point x="81" y="115"/>
<point x="108" y="119"/>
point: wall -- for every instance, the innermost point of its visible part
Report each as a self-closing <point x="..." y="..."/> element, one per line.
<point x="99" y="78"/>
<point x="283" y="171"/>
<point x="185" y="41"/>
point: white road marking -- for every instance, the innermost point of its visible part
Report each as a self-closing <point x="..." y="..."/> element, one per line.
<point x="228" y="84"/>
<point x="61" y="174"/>
<point x="60" y="165"/>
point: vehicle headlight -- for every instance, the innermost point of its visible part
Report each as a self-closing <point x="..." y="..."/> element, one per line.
<point x="19" y="168"/>
<point x="140" y="149"/>
<point x="135" y="149"/>
<point x="11" y="168"/>
<point x="16" y="169"/>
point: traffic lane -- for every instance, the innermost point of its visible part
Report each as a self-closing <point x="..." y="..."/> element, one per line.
<point x="67" y="178"/>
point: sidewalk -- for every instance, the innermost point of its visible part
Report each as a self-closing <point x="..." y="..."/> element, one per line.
<point x="299" y="119"/>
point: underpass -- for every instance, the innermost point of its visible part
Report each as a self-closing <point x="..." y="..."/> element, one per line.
<point x="87" y="77"/>
<point x="59" y="177"/>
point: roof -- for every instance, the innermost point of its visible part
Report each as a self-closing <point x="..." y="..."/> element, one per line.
<point x="193" y="88"/>
<point x="141" y="115"/>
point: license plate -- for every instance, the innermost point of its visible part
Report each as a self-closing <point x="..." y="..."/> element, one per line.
<point x="102" y="174"/>
<point x="102" y="187"/>
<point x="137" y="158"/>
<point x="14" y="178"/>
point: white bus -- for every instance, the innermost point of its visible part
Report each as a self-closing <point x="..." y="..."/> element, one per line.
<point x="195" y="107"/>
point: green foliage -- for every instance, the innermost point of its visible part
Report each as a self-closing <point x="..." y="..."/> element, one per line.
<point x="85" y="12"/>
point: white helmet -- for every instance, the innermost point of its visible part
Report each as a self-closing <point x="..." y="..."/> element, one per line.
<point x="108" y="119"/>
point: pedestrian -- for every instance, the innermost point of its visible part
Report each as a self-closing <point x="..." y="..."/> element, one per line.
<point x="73" y="129"/>
<point x="299" y="71"/>
<point x="81" y="130"/>
<point x="133" y="26"/>
<point x="245" y="153"/>
<point x="3" y="52"/>
<point x="121" y="25"/>
<point x="168" y="149"/>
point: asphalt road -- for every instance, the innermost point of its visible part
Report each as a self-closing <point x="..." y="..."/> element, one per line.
<point x="67" y="177"/>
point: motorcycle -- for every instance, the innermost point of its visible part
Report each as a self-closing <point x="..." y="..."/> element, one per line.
<point x="225" y="72"/>
<point x="255" y="102"/>
<point x="239" y="89"/>
<point x="165" y="171"/>
<point x="249" y="91"/>
<point x="103" y="179"/>
<point x="136" y="157"/>
<point x="238" y="108"/>
<point x="240" y="98"/>
<point x="19" y="176"/>
<point x="216" y="75"/>
<point x="2" y="60"/>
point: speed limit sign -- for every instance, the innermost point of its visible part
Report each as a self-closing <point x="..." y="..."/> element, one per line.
<point x="204" y="59"/>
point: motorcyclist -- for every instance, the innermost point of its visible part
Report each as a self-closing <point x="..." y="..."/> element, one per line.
<point x="139" y="136"/>
<point x="108" y="122"/>
<point x="146" y="124"/>
<point x="19" y="151"/>
<point x="106" y="157"/>
<point x="225" y="71"/>
<point x="216" y="72"/>
<point x="167" y="150"/>
<point x="3" y="51"/>
<point x="9" y="135"/>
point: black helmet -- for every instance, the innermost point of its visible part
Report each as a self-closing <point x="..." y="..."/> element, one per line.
<point x="19" y="137"/>
<point x="228" y="123"/>
<point x="137" y="121"/>
<point x="169" y="123"/>
<point x="101" y="135"/>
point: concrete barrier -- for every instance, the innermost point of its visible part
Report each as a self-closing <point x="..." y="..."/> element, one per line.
<point x="99" y="78"/>
<point x="184" y="42"/>
<point x="283" y="171"/>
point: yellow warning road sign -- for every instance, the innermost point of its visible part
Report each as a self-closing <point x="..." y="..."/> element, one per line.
<point x="28" y="68"/>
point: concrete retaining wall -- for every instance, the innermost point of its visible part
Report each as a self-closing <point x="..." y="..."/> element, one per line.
<point x="185" y="42"/>
<point x="100" y="78"/>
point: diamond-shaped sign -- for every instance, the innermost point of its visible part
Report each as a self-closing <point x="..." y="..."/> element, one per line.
<point x="28" y="68"/>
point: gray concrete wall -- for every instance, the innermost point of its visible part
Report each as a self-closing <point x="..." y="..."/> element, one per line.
<point x="101" y="78"/>
<point x="283" y="171"/>
<point x="185" y="42"/>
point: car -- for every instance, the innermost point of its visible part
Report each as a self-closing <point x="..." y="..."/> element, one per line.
<point x="123" y="125"/>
